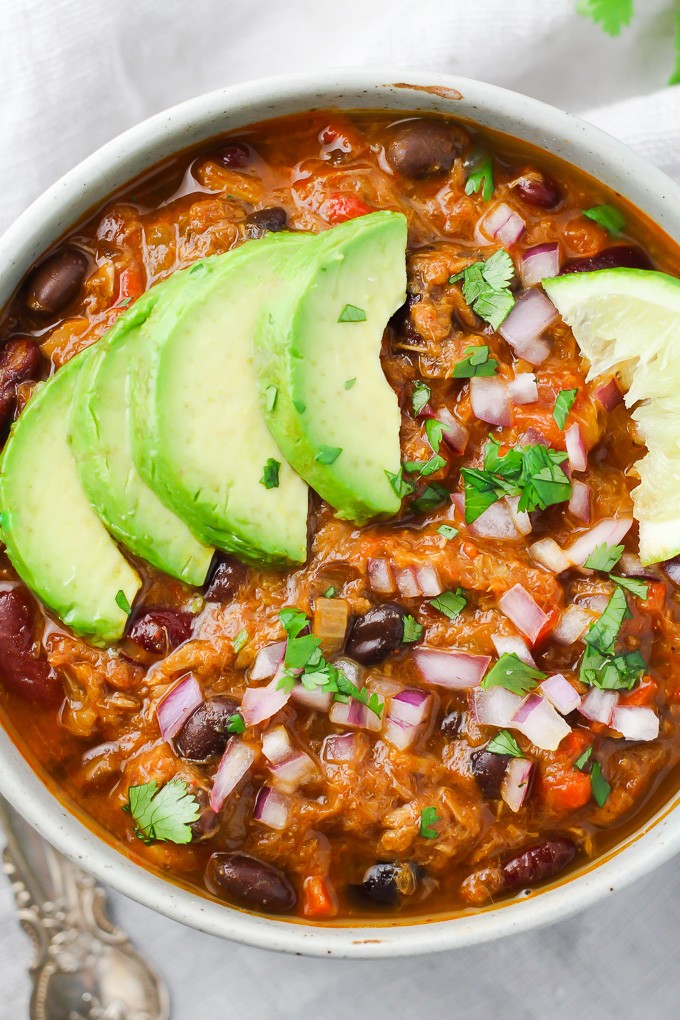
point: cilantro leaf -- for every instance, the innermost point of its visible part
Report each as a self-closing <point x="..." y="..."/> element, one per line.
<point x="631" y="584"/>
<point x="481" y="178"/>
<point x="434" y="431"/>
<point x="611" y="15"/>
<point x="447" y="532"/>
<point x="328" y="454"/>
<point x="303" y="651"/>
<point x="236" y="723"/>
<point x="351" y="313"/>
<point x="420" y="396"/>
<point x="485" y="287"/>
<point x="164" y="815"/>
<point x="330" y="592"/>
<point x="428" y="818"/>
<point x="582" y="759"/>
<point x="425" y="468"/>
<point x="293" y="620"/>
<point x="512" y="674"/>
<point x="608" y="217"/>
<point x="240" y="640"/>
<point x="499" y="270"/>
<point x="477" y="363"/>
<point x="602" y="634"/>
<point x="271" y="393"/>
<point x="349" y="383"/>
<point x="397" y="482"/>
<point x="480" y="492"/>
<point x="347" y="689"/>
<point x="604" y="557"/>
<point x="270" y="474"/>
<point x="122" y="602"/>
<point x="450" y="603"/>
<point x="611" y="672"/>
<point x="430" y="498"/>
<point x="599" y="785"/>
<point x="563" y="405"/>
<point x="299" y="406"/>
<point x="532" y="472"/>
<point x="413" y="631"/>
<point x="494" y="306"/>
<point x="505" y="743"/>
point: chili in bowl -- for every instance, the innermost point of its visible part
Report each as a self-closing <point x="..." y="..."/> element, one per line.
<point x="335" y="584"/>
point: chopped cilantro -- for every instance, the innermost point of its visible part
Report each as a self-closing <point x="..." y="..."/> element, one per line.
<point x="450" y="603"/>
<point x="164" y="815"/>
<point x="447" y="532"/>
<point x="532" y="473"/>
<point x="270" y="474"/>
<point x="481" y="178"/>
<point x="413" y="631"/>
<point x="236" y="723"/>
<point x="608" y="217"/>
<point x="397" y="482"/>
<point x="513" y="674"/>
<point x="632" y="585"/>
<point x="426" y="467"/>
<point x="563" y="405"/>
<point x="330" y="592"/>
<point x="598" y="784"/>
<point x="420" y="396"/>
<point x="611" y="15"/>
<point x="293" y="620"/>
<point x="430" y="498"/>
<point x="582" y="759"/>
<point x="122" y="602"/>
<point x="428" y="818"/>
<point x="349" y="383"/>
<point x="485" y="287"/>
<point x="328" y="454"/>
<point x="299" y="406"/>
<point x="271" y="393"/>
<point x="241" y="640"/>
<point x="198" y="267"/>
<point x="505" y="743"/>
<point x="434" y="430"/>
<point x="602" y="634"/>
<point x="476" y="363"/>
<point x="125" y="302"/>
<point x="351" y="313"/>
<point x="604" y="557"/>
<point x="611" y="672"/>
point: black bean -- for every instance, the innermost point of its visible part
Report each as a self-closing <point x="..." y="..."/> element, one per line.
<point x="54" y="283"/>
<point x="251" y="882"/>
<point x="235" y="156"/>
<point x="538" y="863"/>
<point x="270" y="220"/>
<point x="538" y="189"/>
<point x="616" y="256"/>
<point x="23" y="669"/>
<point x="424" y="148"/>
<point x="225" y="577"/>
<point x="158" y="631"/>
<point x="19" y="362"/>
<point x="451" y="724"/>
<point x="204" y="735"/>
<point x="489" y="770"/>
<point x="387" y="883"/>
<point x="375" y="634"/>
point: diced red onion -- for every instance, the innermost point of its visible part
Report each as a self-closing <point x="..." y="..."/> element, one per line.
<point x="177" y="705"/>
<point x="268" y="661"/>
<point x="576" y="448"/>
<point x="579" y="504"/>
<point x="428" y="581"/>
<point x="520" y="517"/>
<point x="299" y="768"/>
<point x="532" y="437"/>
<point x="490" y="400"/>
<point x="234" y="764"/>
<point x="400" y="734"/>
<point x="540" y="723"/>
<point x="609" y="394"/>
<point x="528" y="319"/>
<point x="454" y="435"/>
<point x="497" y="522"/>
<point x="513" y="645"/>
<point x="672" y="569"/>
<point x="380" y="577"/>
<point x="355" y="714"/>
<point x="520" y="607"/>
<point x="560" y="693"/>
<point x="598" y="705"/>
<point x="316" y="700"/>
<point x="343" y="747"/>
<point x="272" y="808"/>
<point x="407" y="583"/>
<point x="501" y="223"/>
<point x="384" y="685"/>
<point x="261" y="703"/>
<point x="635" y="722"/>
<point x="539" y="263"/>
<point x="630" y="566"/>
<point x="610" y="531"/>
<point x="277" y="745"/>
<point x="549" y="554"/>
<point x="451" y="668"/>
<point x="515" y="785"/>
<point x="572" y="624"/>
<point x="523" y="389"/>
<point x="410" y="706"/>
<point x="495" y="707"/>
<point x="596" y="603"/>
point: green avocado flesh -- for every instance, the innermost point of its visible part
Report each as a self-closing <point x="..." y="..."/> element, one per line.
<point x="336" y="418"/>
<point x="54" y="538"/>
<point x="199" y="438"/>
<point x="100" y="436"/>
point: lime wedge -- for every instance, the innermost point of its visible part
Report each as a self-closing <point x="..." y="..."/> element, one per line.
<point x="627" y="321"/>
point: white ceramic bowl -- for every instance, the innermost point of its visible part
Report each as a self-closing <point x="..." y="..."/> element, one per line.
<point x="88" y="185"/>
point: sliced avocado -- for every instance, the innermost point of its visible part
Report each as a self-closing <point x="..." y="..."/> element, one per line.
<point x="54" y="538"/>
<point x="99" y="433"/>
<point x="336" y="418"/>
<point x="199" y="437"/>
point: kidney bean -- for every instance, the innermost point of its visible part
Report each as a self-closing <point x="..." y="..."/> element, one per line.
<point x="160" y="630"/>
<point x="23" y="669"/>
<point x="537" y="189"/>
<point x="539" y="863"/>
<point x="55" y="282"/>
<point x="375" y="634"/>
<point x="225" y="577"/>
<point x="272" y="220"/>
<point x="616" y="256"/>
<point x="451" y="724"/>
<point x="204" y="735"/>
<point x="424" y="148"/>
<point x="387" y="883"/>
<point x="19" y="361"/>
<point x="250" y="881"/>
<point x="235" y="156"/>
<point x="489" y="769"/>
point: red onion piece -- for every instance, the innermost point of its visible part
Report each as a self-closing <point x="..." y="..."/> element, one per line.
<point x="428" y="581"/>
<point x="520" y="607"/>
<point x="610" y="531"/>
<point x="410" y="706"/>
<point x="560" y="694"/>
<point x="523" y="388"/>
<point x="316" y="700"/>
<point x="452" y="668"/>
<point x="175" y="707"/>
<point x="635" y="722"/>
<point x="380" y="577"/>
<point x="497" y="522"/>
<point x="495" y="707"/>
<point x="261" y="703"/>
<point x="576" y="448"/>
<point x="516" y="781"/>
<point x="609" y="394"/>
<point x="539" y="263"/>
<point x="598" y="705"/>
<point x="501" y="223"/>
<point x="271" y="808"/>
<point x="407" y="583"/>
<point x="490" y="400"/>
<point x="530" y="317"/>
<point x="400" y="734"/>
<point x="549" y="554"/>
<point x="672" y="569"/>
<point x="277" y="745"/>
<point x="513" y="645"/>
<point x="630" y="566"/>
<point x="454" y="435"/>
<point x="234" y="764"/>
<point x="579" y="504"/>
<point x="299" y="768"/>
<point x="268" y="661"/>
<point x="532" y="437"/>
<point x="344" y="747"/>
<point x="520" y="517"/>
<point x="356" y="715"/>
<point x="572" y="624"/>
<point x="540" y="723"/>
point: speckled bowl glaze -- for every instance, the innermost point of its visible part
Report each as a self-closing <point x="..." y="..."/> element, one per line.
<point x="87" y="186"/>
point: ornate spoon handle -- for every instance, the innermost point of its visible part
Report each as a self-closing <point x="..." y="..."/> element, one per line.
<point x="84" y="968"/>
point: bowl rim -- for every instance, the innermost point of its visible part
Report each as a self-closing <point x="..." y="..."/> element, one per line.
<point x="109" y="168"/>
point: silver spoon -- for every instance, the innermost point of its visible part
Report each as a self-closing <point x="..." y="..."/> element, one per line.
<point x="84" y="968"/>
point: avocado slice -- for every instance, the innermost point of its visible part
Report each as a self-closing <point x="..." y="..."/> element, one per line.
<point x="54" y="538"/>
<point x="336" y="418"/>
<point x="99" y="433"/>
<point x="199" y="438"/>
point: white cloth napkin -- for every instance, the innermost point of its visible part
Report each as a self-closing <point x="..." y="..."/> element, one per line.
<point x="73" y="73"/>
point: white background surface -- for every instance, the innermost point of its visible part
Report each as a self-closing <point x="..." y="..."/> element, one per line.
<point x="73" y="73"/>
